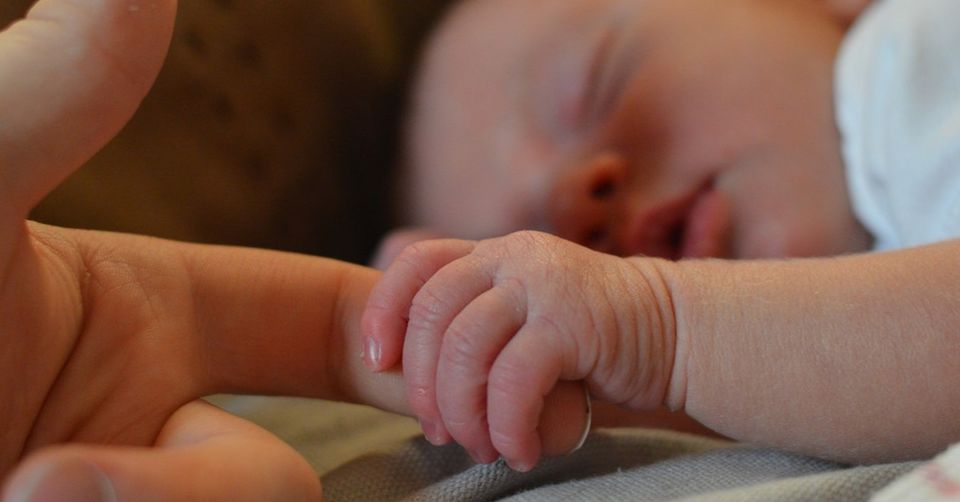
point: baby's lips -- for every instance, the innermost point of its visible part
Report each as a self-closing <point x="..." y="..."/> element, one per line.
<point x="565" y="419"/>
<point x="708" y="227"/>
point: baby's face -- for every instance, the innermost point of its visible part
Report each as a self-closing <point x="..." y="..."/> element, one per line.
<point x="675" y="128"/>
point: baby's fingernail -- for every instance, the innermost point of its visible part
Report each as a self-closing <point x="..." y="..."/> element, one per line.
<point x="433" y="433"/>
<point x="372" y="353"/>
<point x="480" y="457"/>
<point x="588" y="409"/>
<point x="520" y="466"/>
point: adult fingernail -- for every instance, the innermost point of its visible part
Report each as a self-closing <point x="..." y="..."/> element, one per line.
<point x="372" y="353"/>
<point x="69" y="479"/>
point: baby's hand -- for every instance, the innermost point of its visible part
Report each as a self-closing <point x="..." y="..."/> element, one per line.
<point x="487" y="329"/>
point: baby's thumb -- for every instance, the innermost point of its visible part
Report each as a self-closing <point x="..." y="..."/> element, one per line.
<point x="566" y="419"/>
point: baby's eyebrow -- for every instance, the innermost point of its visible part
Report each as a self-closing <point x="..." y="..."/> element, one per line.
<point x="597" y="79"/>
<point x="575" y="48"/>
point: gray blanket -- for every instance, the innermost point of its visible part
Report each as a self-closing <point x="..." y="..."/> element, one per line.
<point x="363" y="454"/>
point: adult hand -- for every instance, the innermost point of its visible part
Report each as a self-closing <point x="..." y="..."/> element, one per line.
<point x="106" y="340"/>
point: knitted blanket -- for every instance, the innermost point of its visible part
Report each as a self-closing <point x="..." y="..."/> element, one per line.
<point x="364" y="454"/>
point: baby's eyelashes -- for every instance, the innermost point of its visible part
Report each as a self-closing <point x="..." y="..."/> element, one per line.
<point x="570" y="88"/>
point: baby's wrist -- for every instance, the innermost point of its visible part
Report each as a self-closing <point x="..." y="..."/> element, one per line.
<point x="654" y="308"/>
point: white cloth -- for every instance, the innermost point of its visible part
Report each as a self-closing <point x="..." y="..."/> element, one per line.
<point x="936" y="481"/>
<point x="898" y="108"/>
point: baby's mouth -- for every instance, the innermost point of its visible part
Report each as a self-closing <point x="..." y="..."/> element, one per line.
<point x="707" y="226"/>
<point x="695" y="225"/>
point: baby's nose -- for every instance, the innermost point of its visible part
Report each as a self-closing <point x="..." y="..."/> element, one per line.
<point x="585" y="205"/>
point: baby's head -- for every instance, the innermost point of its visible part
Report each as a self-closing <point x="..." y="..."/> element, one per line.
<point x="675" y="128"/>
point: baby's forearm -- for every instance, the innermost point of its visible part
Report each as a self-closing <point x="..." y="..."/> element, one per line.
<point x="850" y="358"/>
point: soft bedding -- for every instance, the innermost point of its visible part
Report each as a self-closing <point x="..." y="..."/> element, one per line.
<point x="363" y="454"/>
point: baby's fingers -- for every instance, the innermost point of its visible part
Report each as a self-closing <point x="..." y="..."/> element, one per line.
<point x="384" y="322"/>
<point x="526" y="371"/>
<point x="433" y="309"/>
<point x="470" y="345"/>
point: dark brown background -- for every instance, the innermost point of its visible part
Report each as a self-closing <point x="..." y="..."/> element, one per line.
<point x="272" y="124"/>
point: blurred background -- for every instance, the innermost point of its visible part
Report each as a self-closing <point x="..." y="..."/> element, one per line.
<point x="274" y="123"/>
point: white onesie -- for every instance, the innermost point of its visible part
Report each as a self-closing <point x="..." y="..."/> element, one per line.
<point x="898" y="108"/>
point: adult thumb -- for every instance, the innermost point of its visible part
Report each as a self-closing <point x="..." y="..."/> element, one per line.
<point x="72" y="73"/>
<point x="202" y="454"/>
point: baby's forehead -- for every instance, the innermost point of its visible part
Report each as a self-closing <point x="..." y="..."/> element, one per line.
<point x="485" y="42"/>
<point x="479" y="49"/>
<point x="464" y="107"/>
<point x="478" y="23"/>
<point x="482" y="55"/>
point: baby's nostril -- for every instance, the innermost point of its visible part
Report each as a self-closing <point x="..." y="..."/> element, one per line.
<point x="675" y="241"/>
<point x="602" y="189"/>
